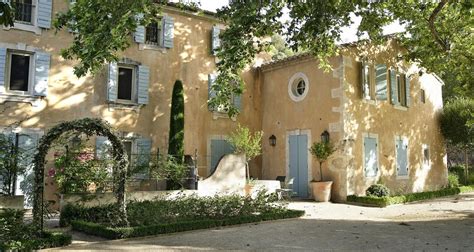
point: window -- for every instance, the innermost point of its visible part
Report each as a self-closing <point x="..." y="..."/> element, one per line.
<point x="152" y="33"/>
<point x="422" y="96"/>
<point x="19" y="74"/>
<point x="426" y="156"/>
<point x="126" y="82"/>
<point x="24" y="11"/>
<point x="298" y="87"/>
<point x="370" y="156"/>
<point x="366" y="83"/>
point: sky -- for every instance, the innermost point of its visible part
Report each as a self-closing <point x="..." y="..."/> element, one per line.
<point x="348" y="35"/>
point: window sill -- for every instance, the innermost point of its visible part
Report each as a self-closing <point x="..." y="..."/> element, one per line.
<point x="223" y="115"/>
<point x="369" y="101"/>
<point x="25" y="27"/>
<point x="404" y="177"/>
<point x="400" y="107"/>
<point x="143" y="46"/>
<point x="33" y="100"/>
<point x="125" y="106"/>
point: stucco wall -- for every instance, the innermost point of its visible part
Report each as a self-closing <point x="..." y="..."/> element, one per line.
<point x="317" y="112"/>
<point x="418" y="123"/>
<point x="189" y="61"/>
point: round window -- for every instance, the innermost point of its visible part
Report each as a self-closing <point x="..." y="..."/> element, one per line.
<point x="298" y="87"/>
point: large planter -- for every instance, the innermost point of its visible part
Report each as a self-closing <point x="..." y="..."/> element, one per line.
<point x="321" y="190"/>
<point x="15" y="202"/>
<point x="248" y="189"/>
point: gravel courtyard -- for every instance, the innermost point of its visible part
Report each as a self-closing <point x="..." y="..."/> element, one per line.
<point x="444" y="224"/>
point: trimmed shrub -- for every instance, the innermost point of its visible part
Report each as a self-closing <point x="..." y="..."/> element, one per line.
<point x="15" y="235"/>
<point x="378" y="190"/>
<point x="138" y="231"/>
<point x="386" y="201"/>
<point x="453" y="180"/>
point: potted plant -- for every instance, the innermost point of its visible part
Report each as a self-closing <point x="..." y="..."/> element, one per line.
<point x="321" y="188"/>
<point x="244" y="142"/>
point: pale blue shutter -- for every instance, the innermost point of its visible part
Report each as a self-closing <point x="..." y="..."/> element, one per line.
<point x="215" y="40"/>
<point x="381" y="81"/>
<point x="219" y="148"/>
<point x="143" y="83"/>
<point x="28" y="144"/>
<point x="370" y="157"/>
<point x="393" y="87"/>
<point x="139" y="34"/>
<point x="238" y="101"/>
<point x="211" y="79"/>
<point x="402" y="158"/>
<point x="45" y="9"/>
<point x="3" y="60"/>
<point x="72" y="22"/>
<point x="407" y="90"/>
<point x="168" y="32"/>
<point x="143" y="156"/>
<point x="42" y="62"/>
<point x="102" y="147"/>
<point x="112" y="82"/>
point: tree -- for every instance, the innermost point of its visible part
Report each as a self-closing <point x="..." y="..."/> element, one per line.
<point x="10" y="165"/>
<point x="322" y="151"/>
<point x="278" y="49"/>
<point x="244" y="142"/>
<point x="6" y="14"/>
<point x="456" y="126"/>
<point x="176" y="137"/>
<point x="437" y="34"/>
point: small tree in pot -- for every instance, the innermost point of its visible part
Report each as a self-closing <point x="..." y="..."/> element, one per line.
<point x="322" y="151"/>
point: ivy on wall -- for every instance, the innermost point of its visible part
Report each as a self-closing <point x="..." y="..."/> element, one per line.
<point x="89" y="127"/>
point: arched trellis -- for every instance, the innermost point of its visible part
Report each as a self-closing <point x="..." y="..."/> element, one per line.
<point x="89" y="127"/>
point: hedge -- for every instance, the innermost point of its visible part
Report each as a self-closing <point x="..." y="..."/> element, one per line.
<point x="48" y="240"/>
<point x="400" y="199"/>
<point x="138" y="231"/>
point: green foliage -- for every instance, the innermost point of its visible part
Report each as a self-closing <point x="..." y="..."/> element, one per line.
<point x="6" y="14"/>
<point x="322" y="151"/>
<point x="16" y="235"/>
<point x="377" y="190"/>
<point x="454" y="122"/>
<point x="181" y="208"/>
<point x="453" y="180"/>
<point x="10" y="163"/>
<point x="102" y="29"/>
<point x="176" y="137"/>
<point x="278" y="49"/>
<point x="155" y="229"/>
<point x="76" y="169"/>
<point x="169" y="168"/>
<point x="400" y="199"/>
<point x="244" y="142"/>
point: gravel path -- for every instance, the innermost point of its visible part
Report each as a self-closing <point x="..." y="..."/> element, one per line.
<point x="437" y="225"/>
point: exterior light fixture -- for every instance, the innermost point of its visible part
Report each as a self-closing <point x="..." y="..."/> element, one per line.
<point x="272" y="140"/>
<point x="325" y="137"/>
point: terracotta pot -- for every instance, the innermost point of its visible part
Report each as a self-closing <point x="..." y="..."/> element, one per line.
<point x="321" y="190"/>
<point x="248" y="189"/>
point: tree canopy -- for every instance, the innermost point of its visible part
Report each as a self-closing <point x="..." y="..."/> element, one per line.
<point x="438" y="34"/>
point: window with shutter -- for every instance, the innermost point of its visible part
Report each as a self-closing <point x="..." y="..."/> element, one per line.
<point x="381" y="82"/>
<point x="370" y="156"/>
<point x="153" y="33"/>
<point x="128" y="83"/>
<point x="215" y="39"/>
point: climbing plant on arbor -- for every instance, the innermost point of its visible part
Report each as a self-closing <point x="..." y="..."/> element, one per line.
<point x="88" y="127"/>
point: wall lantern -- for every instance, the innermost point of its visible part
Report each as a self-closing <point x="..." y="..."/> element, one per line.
<point x="325" y="137"/>
<point x="273" y="140"/>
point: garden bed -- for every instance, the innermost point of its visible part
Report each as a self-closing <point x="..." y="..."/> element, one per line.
<point x="400" y="199"/>
<point x="183" y="213"/>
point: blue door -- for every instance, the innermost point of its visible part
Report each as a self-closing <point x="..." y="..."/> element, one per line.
<point x="219" y="148"/>
<point x="298" y="163"/>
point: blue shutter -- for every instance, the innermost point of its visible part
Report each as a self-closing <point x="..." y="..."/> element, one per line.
<point x="3" y="60"/>
<point x="72" y="22"/>
<point x="143" y="156"/>
<point x="393" y="87"/>
<point x="102" y="147"/>
<point x="370" y="157"/>
<point x="28" y="143"/>
<point x="112" y="82"/>
<point x="219" y="148"/>
<point x="42" y="62"/>
<point x="381" y="81"/>
<point x="45" y="9"/>
<point x="215" y="40"/>
<point x="143" y="83"/>
<point x="238" y="101"/>
<point x="139" y="34"/>
<point x="211" y="79"/>
<point x="402" y="157"/>
<point x="365" y="80"/>
<point x="407" y="90"/>
<point x="168" y="32"/>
